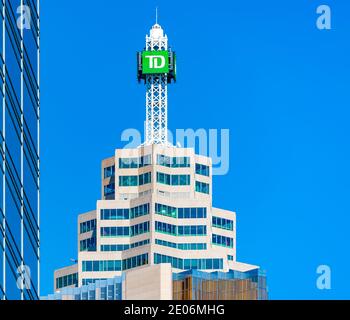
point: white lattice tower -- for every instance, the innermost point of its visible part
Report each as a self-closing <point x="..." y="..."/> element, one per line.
<point x="156" y="126"/>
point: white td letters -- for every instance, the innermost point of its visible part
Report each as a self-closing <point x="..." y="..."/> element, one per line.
<point x="156" y="62"/>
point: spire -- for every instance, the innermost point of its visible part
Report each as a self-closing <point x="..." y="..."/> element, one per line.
<point x="156" y="66"/>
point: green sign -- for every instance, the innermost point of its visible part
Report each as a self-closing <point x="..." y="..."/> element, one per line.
<point x="155" y="62"/>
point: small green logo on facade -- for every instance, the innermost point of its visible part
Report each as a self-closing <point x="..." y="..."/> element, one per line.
<point x="155" y="62"/>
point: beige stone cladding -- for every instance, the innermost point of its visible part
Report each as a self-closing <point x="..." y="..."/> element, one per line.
<point x="156" y="162"/>
<point x="149" y="283"/>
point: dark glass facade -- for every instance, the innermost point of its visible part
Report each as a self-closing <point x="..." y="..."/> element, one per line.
<point x="232" y="285"/>
<point x="19" y="137"/>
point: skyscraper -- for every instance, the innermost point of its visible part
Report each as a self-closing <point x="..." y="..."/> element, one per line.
<point x="155" y="233"/>
<point x="19" y="134"/>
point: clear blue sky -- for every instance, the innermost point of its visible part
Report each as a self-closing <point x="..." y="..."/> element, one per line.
<point x="282" y="89"/>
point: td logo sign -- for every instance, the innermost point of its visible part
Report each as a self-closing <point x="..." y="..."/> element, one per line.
<point x="155" y="62"/>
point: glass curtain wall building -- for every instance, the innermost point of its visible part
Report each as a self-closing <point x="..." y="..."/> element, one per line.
<point x="19" y="134"/>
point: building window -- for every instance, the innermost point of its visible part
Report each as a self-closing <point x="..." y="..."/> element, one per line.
<point x="128" y="163"/>
<point x="182" y="246"/>
<point x="133" y="163"/>
<point x="192" y="213"/>
<point x="173" y="162"/>
<point x="109" y="189"/>
<point x="132" y="181"/>
<point x="167" y="228"/>
<point x="67" y="281"/>
<point x="109" y="172"/>
<point x="202" y="169"/>
<point x="166" y="243"/>
<point x="122" y="247"/>
<point x="222" y="223"/>
<point x="192" y="246"/>
<point x="88" y="244"/>
<point x="124" y="214"/>
<point x="115" y="247"/>
<point x="87" y="226"/>
<point x="186" y="264"/>
<point x="229" y="257"/>
<point x="139" y="228"/>
<point x="181" y="213"/>
<point x="174" y="180"/>
<point x="115" y="231"/>
<point x="115" y="265"/>
<point x="222" y="240"/>
<point x="139" y="211"/>
<point x="192" y="230"/>
<point x="115" y="214"/>
<point x="87" y="281"/>
<point x="144" y="178"/>
<point x="202" y="187"/>
<point x="165" y="210"/>
<point x="128" y="181"/>
<point x="125" y="231"/>
<point x="163" y="178"/>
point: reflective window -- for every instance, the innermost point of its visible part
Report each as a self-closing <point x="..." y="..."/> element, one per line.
<point x="131" y="231"/>
<point x="192" y="230"/>
<point x="115" y="265"/>
<point x="122" y="247"/>
<point x="87" y="226"/>
<point x="88" y="244"/>
<point x="197" y="230"/>
<point x="165" y="228"/>
<point x="109" y="189"/>
<point x="204" y="264"/>
<point x="222" y="240"/>
<point x="173" y="162"/>
<point x="174" y="180"/>
<point x="202" y="187"/>
<point x="123" y="214"/>
<point x="133" y="163"/>
<point x="182" y="246"/>
<point x="222" y="223"/>
<point x="132" y="181"/>
<point x="67" y="281"/>
<point x="109" y="172"/>
<point x="202" y="169"/>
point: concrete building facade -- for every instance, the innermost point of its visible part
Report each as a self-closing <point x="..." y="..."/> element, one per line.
<point x="155" y="211"/>
<point x="155" y="229"/>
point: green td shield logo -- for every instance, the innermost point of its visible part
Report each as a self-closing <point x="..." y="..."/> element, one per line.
<point x="155" y="62"/>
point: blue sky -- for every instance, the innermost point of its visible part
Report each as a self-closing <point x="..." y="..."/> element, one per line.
<point x="282" y="89"/>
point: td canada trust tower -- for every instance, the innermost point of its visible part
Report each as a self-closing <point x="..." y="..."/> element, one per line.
<point x="155" y="233"/>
